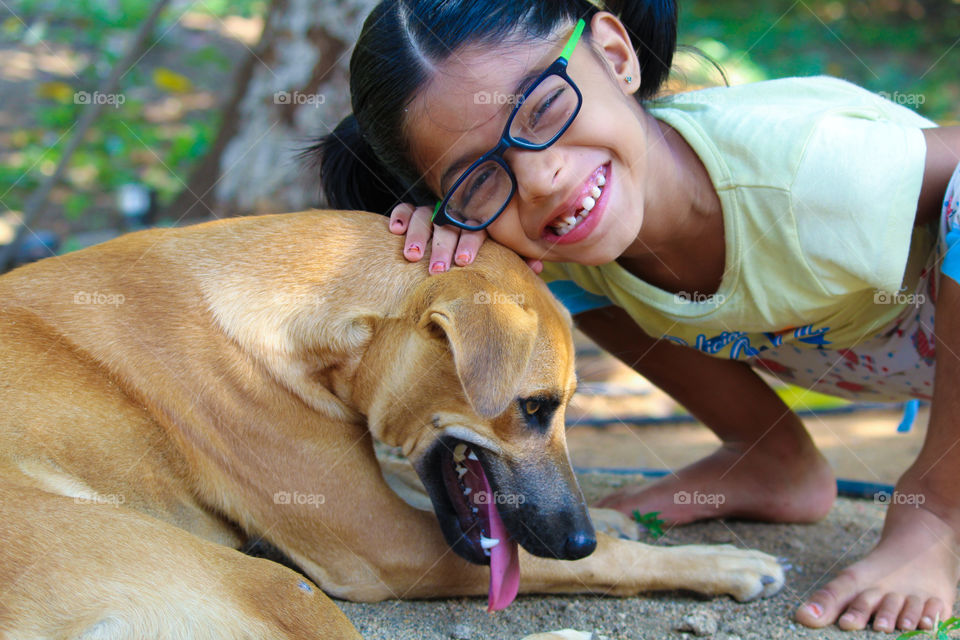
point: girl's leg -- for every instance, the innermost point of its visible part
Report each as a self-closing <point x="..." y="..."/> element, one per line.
<point x="767" y="467"/>
<point x="910" y="578"/>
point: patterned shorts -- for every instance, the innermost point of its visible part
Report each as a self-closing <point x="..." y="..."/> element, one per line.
<point x="897" y="363"/>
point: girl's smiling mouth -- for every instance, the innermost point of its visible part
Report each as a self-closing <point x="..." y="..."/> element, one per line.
<point x="577" y="217"/>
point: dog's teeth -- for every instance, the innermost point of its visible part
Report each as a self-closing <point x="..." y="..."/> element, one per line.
<point x="467" y="491"/>
<point x="459" y="452"/>
<point x="461" y="470"/>
<point x="488" y="543"/>
<point x="473" y="456"/>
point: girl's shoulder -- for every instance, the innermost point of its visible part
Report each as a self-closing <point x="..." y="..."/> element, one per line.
<point x="788" y="98"/>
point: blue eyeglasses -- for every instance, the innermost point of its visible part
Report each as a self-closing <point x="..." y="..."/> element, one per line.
<point x="542" y="114"/>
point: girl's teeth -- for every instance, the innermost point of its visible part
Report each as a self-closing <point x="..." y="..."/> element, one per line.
<point x="566" y="225"/>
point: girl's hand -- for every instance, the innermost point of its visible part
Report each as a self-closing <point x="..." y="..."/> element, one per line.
<point x="451" y="245"/>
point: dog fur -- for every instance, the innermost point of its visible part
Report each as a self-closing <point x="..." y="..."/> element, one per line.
<point x="163" y="392"/>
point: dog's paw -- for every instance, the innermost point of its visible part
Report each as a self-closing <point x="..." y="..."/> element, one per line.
<point x="614" y="524"/>
<point x="745" y="574"/>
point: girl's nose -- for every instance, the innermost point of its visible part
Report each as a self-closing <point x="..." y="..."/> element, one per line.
<point x="538" y="172"/>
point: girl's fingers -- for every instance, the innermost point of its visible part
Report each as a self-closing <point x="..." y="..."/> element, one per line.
<point x="468" y="246"/>
<point x="400" y="217"/>
<point x="535" y="264"/>
<point x="445" y="240"/>
<point x="419" y="229"/>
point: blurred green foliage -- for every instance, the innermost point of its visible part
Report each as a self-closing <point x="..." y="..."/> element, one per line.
<point x="124" y="145"/>
<point x="904" y="48"/>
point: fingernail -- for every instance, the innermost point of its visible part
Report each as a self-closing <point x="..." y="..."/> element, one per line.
<point x="882" y="623"/>
<point x="926" y="621"/>
<point x="815" y="609"/>
<point x="849" y="617"/>
<point x="414" y="248"/>
<point x="463" y="258"/>
<point x="438" y="267"/>
<point x="907" y="623"/>
<point x="397" y="224"/>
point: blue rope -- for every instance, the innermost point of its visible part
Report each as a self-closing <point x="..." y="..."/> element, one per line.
<point x="845" y="488"/>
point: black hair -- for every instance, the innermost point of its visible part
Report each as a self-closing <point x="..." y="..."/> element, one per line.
<point x="364" y="162"/>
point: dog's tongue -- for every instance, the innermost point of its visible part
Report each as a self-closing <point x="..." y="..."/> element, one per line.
<point x="504" y="558"/>
<point x="504" y="565"/>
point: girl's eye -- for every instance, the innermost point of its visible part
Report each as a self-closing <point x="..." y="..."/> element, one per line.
<point x="531" y="407"/>
<point x="476" y="183"/>
<point x="539" y="114"/>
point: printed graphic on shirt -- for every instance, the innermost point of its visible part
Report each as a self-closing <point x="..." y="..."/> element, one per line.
<point x="740" y="341"/>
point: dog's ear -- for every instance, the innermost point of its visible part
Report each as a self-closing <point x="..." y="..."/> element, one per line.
<point x="491" y="344"/>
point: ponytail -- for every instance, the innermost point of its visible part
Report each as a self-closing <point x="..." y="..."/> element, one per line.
<point x="351" y="175"/>
<point x="652" y="26"/>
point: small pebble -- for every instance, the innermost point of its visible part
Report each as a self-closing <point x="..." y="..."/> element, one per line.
<point x="700" y="622"/>
<point x="461" y="632"/>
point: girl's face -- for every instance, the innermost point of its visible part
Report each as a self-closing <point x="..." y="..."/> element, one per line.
<point x="461" y="113"/>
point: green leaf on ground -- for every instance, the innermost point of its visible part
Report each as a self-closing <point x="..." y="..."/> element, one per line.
<point x="650" y="521"/>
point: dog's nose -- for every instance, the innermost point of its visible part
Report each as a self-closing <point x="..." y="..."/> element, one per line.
<point x="580" y="545"/>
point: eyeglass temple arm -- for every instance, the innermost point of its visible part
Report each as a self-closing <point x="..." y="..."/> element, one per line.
<point x="574" y="38"/>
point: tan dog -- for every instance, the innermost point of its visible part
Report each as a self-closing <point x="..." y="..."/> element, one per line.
<point x="168" y="395"/>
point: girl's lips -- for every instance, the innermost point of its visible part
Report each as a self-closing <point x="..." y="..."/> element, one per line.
<point x="589" y="223"/>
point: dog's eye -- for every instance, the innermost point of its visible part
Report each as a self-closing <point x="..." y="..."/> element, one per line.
<point x="538" y="410"/>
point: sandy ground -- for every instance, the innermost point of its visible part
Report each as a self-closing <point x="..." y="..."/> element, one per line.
<point x="812" y="553"/>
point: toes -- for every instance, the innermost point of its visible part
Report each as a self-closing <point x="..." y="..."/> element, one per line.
<point x="910" y="615"/>
<point x="885" y="619"/>
<point x="858" y="613"/>
<point x="933" y="610"/>
<point x="823" y="607"/>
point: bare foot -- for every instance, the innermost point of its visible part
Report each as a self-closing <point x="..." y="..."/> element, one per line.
<point x="907" y="582"/>
<point x="762" y="482"/>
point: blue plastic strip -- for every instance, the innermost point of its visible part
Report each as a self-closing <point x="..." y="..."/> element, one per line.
<point x="845" y="488"/>
<point x="950" y="266"/>
<point x="684" y="418"/>
<point x="910" y="408"/>
<point x="576" y="299"/>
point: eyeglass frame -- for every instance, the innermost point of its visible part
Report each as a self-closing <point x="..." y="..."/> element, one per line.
<point x="557" y="68"/>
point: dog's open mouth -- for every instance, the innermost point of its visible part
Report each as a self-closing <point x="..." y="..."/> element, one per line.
<point x="475" y="504"/>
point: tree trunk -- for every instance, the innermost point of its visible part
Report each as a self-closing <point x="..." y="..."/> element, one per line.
<point x="292" y="88"/>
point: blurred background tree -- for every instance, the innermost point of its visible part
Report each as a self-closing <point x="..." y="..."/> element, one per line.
<point x="216" y="109"/>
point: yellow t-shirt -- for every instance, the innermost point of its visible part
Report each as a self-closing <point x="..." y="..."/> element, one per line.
<point x="818" y="180"/>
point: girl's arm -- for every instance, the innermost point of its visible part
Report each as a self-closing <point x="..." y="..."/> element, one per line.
<point x="943" y="155"/>
<point x="726" y="395"/>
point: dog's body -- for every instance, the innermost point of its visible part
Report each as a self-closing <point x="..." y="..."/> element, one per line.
<point x="171" y="394"/>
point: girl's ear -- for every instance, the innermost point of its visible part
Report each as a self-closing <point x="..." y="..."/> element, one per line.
<point x="612" y="43"/>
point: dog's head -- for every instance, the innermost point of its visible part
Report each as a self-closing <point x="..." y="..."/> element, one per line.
<point x="476" y="397"/>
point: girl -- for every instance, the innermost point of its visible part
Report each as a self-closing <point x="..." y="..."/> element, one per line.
<point x="794" y="225"/>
